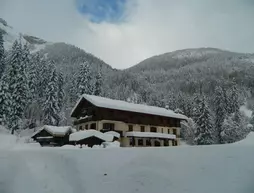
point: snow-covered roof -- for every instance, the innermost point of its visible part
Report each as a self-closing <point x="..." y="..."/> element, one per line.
<point x="54" y="130"/>
<point x="149" y="135"/>
<point x="90" y="133"/>
<point x="115" y="134"/>
<point x="126" y="106"/>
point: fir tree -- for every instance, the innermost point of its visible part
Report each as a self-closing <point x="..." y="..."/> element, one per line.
<point x="220" y="111"/>
<point x="2" y="61"/>
<point x="84" y="80"/>
<point x="50" y="105"/>
<point x="203" y="134"/>
<point x="98" y="84"/>
<point x="4" y="98"/>
<point x="18" y="86"/>
<point x="233" y="98"/>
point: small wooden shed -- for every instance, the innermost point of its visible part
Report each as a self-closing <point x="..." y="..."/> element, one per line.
<point x="53" y="135"/>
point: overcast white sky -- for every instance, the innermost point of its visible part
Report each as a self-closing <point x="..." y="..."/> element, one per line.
<point x="150" y="27"/>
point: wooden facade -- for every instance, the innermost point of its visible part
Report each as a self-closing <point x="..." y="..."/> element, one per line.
<point x="98" y="113"/>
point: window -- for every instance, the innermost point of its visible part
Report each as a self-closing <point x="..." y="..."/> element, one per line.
<point x="142" y="128"/>
<point x="130" y="127"/>
<point x="174" y="143"/>
<point x="93" y="126"/>
<point x="140" y="142"/>
<point x="174" y="131"/>
<point x="153" y="129"/>
<point x="166" y="142"/>
<point x="132" y="141"/>
<point x="86" y="127"/>
<point x="80" y="128"/>
<point x="108" y="126"/>
<point x="168" y="131"/>
<point x="148" y="142"/>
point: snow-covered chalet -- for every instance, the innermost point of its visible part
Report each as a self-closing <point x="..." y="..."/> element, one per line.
<point x="138" y="125"/>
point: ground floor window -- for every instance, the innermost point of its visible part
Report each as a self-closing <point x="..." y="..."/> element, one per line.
<point x="86" y="127"/>
<point x="157" y="143"/>
<point x="174" y="143"/>
<point x="166" y="142"/>
<point x="93" y="126"/>
<point x="80" y="128"/>
<point x="132" y="141"/>
<point x="140" y="142"/>
<point x="148" y="142"/>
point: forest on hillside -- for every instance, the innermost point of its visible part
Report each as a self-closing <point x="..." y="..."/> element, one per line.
<point x="207" y="86"/>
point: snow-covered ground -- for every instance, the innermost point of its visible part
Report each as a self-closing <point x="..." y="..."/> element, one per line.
<point x="186" y="169"/>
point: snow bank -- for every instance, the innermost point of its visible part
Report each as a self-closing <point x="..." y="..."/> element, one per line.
<point x="150" y="135"/>
<point x="90" y="133"/>
<point x="249" y="140"/>
<point x="115" y="134"/>
<point x="7" y="141"/>
<point x="114" y="144"/>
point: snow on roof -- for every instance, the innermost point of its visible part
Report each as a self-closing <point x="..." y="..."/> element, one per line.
<point x="115" y="134"/>
<point x="126" y="106"/>
<point x="54" y="130"/>
<point x="90" y="133"/>
<point x="149" y="135"/>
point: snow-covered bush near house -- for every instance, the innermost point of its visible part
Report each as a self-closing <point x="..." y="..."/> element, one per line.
<point x="114" y="144"/>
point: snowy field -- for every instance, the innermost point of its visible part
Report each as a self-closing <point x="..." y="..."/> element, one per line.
<point x="203" y="169"/>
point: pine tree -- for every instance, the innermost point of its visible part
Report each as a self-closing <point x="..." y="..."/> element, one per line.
<point x="84" y="80"/>
<point x="234" y="128"/>
<point x="233" y="98"/>
<point x="98" y="84"/>
<point x="50" y="105"/>
<point x="2" y="61"/>
<point x="188" y="131"/>
<point x="32" y="77"/>
<point x="18" y="86"/>
<point x="60" y="98"/>
<point x="220" y="111"/>
<point x="203" y="134"/>
<point x="4" y="98"/>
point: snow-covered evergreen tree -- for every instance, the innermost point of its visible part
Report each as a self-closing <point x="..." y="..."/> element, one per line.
<point x="233" y="98"/>
<point x="4" y="98"/>
<point x="2" y="61"/>
<point x="50" y="105"/>
<point x="32" y="77"/>
<point x="204" y="123"/>
<point x="98" y="84"/>
<point x="220" y="111"/>
<point x="234" y="128"/>
<point x="18" y="86"/>
<point x="188" y="131"/>
<point x="84" y="80"/>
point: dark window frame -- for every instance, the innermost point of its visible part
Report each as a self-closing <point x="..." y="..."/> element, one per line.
<point x="93" y="126"/>
<point x="130" y="127"/>
<point x="142" y="128"/>
<point x="108" y="126"/>
<point x="140" y="142"/>
<point x="153" y="129"/>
